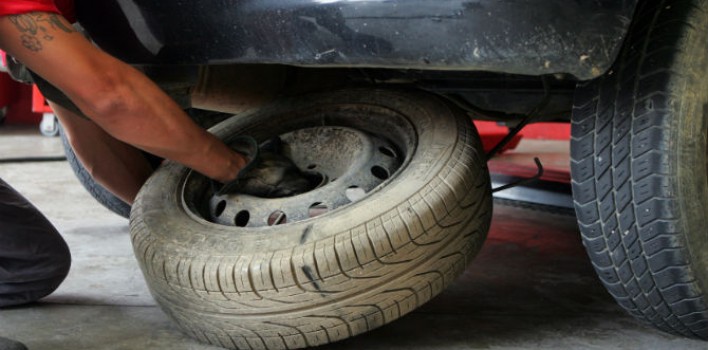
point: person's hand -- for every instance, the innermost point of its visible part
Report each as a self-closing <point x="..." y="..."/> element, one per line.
<point x="267" y="174"/>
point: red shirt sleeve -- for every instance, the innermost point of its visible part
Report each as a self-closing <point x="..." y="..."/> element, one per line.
<point x="16" y="7"/>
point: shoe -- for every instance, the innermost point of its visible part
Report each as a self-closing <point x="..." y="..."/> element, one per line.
<point x="9" y="344"/>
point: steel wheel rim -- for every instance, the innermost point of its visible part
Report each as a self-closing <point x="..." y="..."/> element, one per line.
<point x="380" y="159"/>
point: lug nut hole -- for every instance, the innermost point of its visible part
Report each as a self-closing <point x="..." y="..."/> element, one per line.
<point x="242" y="218"/>
<point x="380" y="172"/>
<point x="387" y="152"/>
<point x="220" y="207"/>
<point x="277" y="218"/>
<point x="317" y="209"/>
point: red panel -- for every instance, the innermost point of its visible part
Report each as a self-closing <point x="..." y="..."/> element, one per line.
<point x="19" y="111"/>
<point x="547" y="131"/>
<point x="39" y="104"/>
<point x="8" y="90"/>
<point x="492" y="133"/>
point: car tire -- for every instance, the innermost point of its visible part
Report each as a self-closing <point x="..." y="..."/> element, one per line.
<point x="639" y="177"/>
<point x="98" y="192"/>
<point x="330" y="277"/>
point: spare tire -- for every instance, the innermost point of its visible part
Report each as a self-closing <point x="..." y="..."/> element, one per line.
<point x="402" y="203"/>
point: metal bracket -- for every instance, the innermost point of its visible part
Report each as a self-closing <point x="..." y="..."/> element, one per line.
<point x="521" y="182"/>
<point x="515" y="131"/>
<point x="528" y="119"/>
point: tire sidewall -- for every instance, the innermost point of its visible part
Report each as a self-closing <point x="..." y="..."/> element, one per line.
<point x="689" y="132"/>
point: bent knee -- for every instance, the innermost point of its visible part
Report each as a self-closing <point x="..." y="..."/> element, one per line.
<point x="33" y="269"/>
<point x="28" y="281"/>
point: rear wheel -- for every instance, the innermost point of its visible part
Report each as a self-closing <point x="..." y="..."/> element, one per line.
<point x="639" y="168"/>
<point x="400" y="202"/>
<point x="98" y="192"/>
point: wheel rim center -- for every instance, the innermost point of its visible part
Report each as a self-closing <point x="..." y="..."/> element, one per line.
<point x="343" y="165"/>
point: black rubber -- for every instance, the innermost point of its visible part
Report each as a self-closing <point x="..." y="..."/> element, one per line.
<point x="638" y="154"/>
<point x="330" y="277"/>
<point x="102" y="195"/>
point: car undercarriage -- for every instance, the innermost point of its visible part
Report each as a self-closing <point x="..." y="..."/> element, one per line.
<point x="382" y="94"/>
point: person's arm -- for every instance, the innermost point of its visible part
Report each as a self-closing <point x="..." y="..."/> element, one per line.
<point x="120" y="168"/>
<point x="117" y="97"/>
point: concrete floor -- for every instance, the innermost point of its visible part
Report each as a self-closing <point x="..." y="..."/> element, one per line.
<point x="531" y="286"/>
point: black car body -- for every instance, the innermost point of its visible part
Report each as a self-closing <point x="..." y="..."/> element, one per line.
<point x="532" y="37"/>
<point x="440" y="46"/>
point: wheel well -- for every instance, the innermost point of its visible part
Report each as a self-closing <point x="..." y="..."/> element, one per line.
<point x="487" y="96"/>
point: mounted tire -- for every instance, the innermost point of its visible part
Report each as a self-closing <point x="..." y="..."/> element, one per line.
<point x="294" y="282"/>
<point x="639" y="169"/>
<point x="98" y="192"/>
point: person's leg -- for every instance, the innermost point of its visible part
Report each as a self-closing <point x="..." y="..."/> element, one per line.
<point x="9" y="344"/>
<point x="34" y="258"/>
<point x="116" y="165"/>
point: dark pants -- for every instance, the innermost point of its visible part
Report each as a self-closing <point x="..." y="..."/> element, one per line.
<point x="34" y="259"/>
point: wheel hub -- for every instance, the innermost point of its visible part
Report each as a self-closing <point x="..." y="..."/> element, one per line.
<point x="343" y="165"/>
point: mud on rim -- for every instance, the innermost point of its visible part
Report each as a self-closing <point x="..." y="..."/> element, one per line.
<point x="345" y="154"/>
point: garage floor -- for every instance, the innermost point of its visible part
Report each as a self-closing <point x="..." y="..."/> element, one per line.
<point x="531" y="286"/>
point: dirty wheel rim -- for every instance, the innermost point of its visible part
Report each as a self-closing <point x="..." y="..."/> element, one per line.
<point x="346" y="160"/>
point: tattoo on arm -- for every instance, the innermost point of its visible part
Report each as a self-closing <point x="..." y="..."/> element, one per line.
<point x="37" y="26"/>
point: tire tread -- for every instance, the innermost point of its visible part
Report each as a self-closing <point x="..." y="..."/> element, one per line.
<point x="396" y="262"/>
<point x="630" y="232"/>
